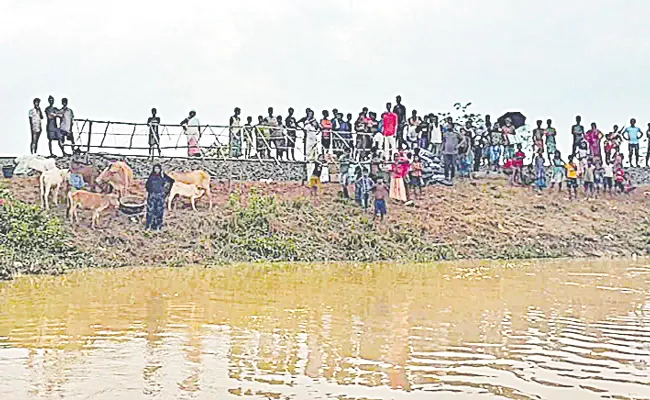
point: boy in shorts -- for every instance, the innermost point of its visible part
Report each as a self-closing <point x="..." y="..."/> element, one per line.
<point x="381" y="193"/>
<point x="572" y="177"/>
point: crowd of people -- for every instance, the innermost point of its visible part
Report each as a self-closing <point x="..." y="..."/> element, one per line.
<point x="400" y="150"/>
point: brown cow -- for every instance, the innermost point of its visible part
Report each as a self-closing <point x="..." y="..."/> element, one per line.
<point x="118" y="175"/>
<point x="88" y="172"/>
<point x="199" y="178"/>
<point x="96" y="202"/>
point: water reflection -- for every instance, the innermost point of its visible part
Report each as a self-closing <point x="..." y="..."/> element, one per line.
<point x="543" y="330"/>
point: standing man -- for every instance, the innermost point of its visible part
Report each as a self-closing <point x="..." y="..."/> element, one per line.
<point x="400" y="110"/>
<point x="235" y="133"/>
<point x="292" y="125"/>
<point x="35" y="118"/>
<point x="451" y="141"/>
<point x="390" y="121"/>
<point x="67" y="119"/>
<point x="53" y="133"/>
<point x="647" y="156"/>
<point x="154" y="135"/>
<point x="538" y="138"/>
<point x="632" y="134"/>
<point x="578" y="132"/>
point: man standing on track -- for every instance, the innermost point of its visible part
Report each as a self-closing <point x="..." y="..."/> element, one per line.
<point x="35" y="118"/>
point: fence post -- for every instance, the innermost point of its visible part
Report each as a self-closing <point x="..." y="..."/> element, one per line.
<point x="90" y="134"/>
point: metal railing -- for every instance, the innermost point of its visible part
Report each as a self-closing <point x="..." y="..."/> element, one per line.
<point x="258" y="142"/>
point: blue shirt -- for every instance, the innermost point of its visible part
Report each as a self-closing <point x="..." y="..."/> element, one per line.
<point x="634" y="134"/>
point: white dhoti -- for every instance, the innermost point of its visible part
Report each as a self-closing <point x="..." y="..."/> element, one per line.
<point x="389" y="143"/>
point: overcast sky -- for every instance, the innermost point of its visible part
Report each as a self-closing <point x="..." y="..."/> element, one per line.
<point x="116" y="59"/>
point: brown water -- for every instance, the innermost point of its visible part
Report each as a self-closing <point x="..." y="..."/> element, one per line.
<point x="559" y="330"/>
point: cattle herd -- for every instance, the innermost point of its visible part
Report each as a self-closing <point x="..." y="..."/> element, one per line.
<point x="104" y="189"/>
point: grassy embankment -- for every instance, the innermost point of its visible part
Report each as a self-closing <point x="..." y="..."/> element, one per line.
<point x="259" y="222"/>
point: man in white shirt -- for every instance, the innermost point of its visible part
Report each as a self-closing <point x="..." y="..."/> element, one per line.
<point x="35" y="118"/>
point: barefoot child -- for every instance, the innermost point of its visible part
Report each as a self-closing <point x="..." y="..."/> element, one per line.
<point x="620" y="180"/>
<point x="589" y="178"/>
<point x="608" y="178"/>
<point x="314" y="180"/>
<point x="518" y="166"/>
<point x="381" y="192"/>
<point x="416" y="174"/>
<point x="540" y="171"/>
<point x="572" y="177"/>
<point x="558" y="170"/>
<point x="365" y="185"/>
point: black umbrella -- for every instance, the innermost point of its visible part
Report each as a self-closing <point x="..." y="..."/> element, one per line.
<point x="518" y="119"/>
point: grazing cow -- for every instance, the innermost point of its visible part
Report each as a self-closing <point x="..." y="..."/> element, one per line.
<point x="199" y="178"/>
<point x="97" y="202"/>
<point x="52" y="178"/>
<point x="118" y="175"/>
<point x="88" y="172"/>
<point x="185" y="190"/>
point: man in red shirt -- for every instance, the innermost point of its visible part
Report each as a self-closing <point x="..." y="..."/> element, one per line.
<point x="389" y="120"/>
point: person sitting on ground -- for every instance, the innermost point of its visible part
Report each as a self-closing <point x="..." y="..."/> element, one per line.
<point x="158" y="186"/>
<point x="558" y="170"/>
<point x="365" y="185"/>
<point x="381" y="193"/>
<point x="572" y="177"/>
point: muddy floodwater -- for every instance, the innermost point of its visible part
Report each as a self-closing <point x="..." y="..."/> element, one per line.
<point x="525" y="330"/>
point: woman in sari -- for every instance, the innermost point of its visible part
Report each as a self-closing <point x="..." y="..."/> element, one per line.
<point x="192" y="131"/>
<point x="158" y="186"/>
<point x="400" y="169"/>
<point x="593" y="138"/>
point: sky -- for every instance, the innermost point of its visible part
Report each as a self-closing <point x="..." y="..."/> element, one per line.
<point x="115" y="60"/>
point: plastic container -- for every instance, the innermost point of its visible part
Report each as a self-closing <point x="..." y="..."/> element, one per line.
<point x="8" y="171"/>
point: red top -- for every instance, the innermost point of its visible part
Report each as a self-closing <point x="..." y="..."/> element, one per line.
<point x="401" y="169"/>
<point x="390" y="123"/>
<point x="620" y="175"/>
<point x="326" y="127"/>
<point x="519" y="159"/>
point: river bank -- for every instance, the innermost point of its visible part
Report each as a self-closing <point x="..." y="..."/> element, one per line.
<point x="480" y="219"/>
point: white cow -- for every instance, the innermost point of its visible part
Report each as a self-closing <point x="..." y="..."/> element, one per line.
<point x="186" y="190"/>
<point x="37" y="163"/>
<point x="52" y="178"/>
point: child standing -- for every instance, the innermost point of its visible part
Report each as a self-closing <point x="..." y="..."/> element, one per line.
<point x="540" y="171"/>
<point x="381" y="192"/>
<point x="517" y="166"/>
<point x="314" y="180"/>
<point x="344" y="169"/>
<point x="608" y="178"/>
<point x="619" y="180"/>
<point x="600" y="176"/>
<point x="416" y="174"/>
<point x="365" y="186"/>
<point x="558" y="170"/>
<point x="572" y="177"/>
<point x="589" y="178"/>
